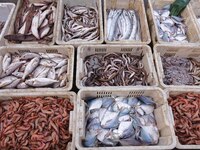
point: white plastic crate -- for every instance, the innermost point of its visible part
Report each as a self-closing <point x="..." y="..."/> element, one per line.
<point x="162" y="114"/>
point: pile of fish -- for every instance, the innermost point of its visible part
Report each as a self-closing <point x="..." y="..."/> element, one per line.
<point x="186" y="113"/>
<point x="39" y="123"/>
<point x="121" y="121"/>
<point x="114" y="69"/>
<point x="123" y="25"/>
<point x="34" y="22"/>
<point x="30" y="69"/>
<point x="80" y="23"/>
<point x="1" y="25"/>
<point x="170" y="28"/>
<point x="181" y="71"/>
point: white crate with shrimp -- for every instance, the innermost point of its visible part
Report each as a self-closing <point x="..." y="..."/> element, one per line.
<point x="39" y="120"/>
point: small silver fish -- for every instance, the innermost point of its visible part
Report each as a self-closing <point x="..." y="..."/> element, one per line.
<point x="110" y="120"/>
<point x="52" y="73"/>
<point x="6" y="81"/>
<point x="22" y="85"/>
<point x="13" y="84"/>
<point x="6" y="61"/>
<point x="31" y="67"/>
<point x="12" y="67"/>
<point x="63" y="70"/>
<point x="62" y="63"/>
<point x="40" y="82"/>
<point x="47" y="63"/>
<point x="26" y="56"/>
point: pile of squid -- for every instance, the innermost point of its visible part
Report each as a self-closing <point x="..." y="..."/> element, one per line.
<point x="123" y="24"/>
<point x="34" y="22"/>
<point x="114" y="69"/>
<point x="39" y="123"/>
<point x="26" y="70"/>
<point x="170" y="28"/>
<point x="186" y="111"/>
<point x="120" y="121"/>
<point x="181" y="71"/>
<point x="80" y="23"/>
<point x="1" y="26"/>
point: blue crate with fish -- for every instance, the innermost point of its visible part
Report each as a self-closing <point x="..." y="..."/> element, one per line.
<point x="125" y="22"/>
<point x="131" y="118"/>
<point x="167" y="26"/>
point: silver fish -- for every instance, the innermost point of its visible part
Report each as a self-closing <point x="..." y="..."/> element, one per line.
<point x="63" y="70"/>
<point x="6" y="61"/>
<point x="31" y="67"/>
<point x="13" y="84"/>
<point x="22" y="85"/>
<point x="35" y="25"/>
<point x="90" y="140"/>
<point x="18" y="74"/>
<point x="6" y="81"/>
<point x="1" y="65"/>
<point x="62" y="63"/>
<point x="125" y="129"/>
<point x="47" y="63"/>
<point x="52" y="73"/>
<point x="51" y="55"/>
<point x="29" y="56"/>
<point x="12" y="67"/>
<point x="95" y="104"/>
<point x="40" y="82"/>
<point x="110" y="120"/>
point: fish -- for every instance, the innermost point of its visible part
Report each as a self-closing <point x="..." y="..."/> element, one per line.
<point x="62" y="63"/>
<point x="110" y="120"/>
<point x="12" y="67"/>
<point x="122" y="107"/>
<point x="149" y="134"/>
<point x="52" y="73"/>
<point x="90" y="140"/>
<point x="125" y="129"/>
<point x="1" y="65"/>
<point x="95" y="104"/>
<point x="6" y="81"/>
<point x="40" y="82"/>
<point x="51" y="55"/>
<point x="22" y="85"/>
<point x="6" y="61"/>
<point x="35" y="25"/>
<point x="29" y="55"/>
<point x="13" y="84"/>
<point x="62" y="70"/>
<point x="31" y="67"/>
<point x="47" y="63"/>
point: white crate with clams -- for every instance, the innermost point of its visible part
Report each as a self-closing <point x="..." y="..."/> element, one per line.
<point x="181" y="51"/>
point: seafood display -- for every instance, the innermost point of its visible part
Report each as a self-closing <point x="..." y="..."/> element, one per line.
<point x="80" y="23"/>
<point x="114" y="69"/>
<point x="34" y="22"/>
<point x="32" y="70"/>
<point x="181" y="71"/>
<point x="170" y="28"/>
<point x="40" y="123"/>
<point x="186" y="113"/>
<point x="123" y="25"/>
<point x="1" y="25"/>
<point x="121" y="121"/>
